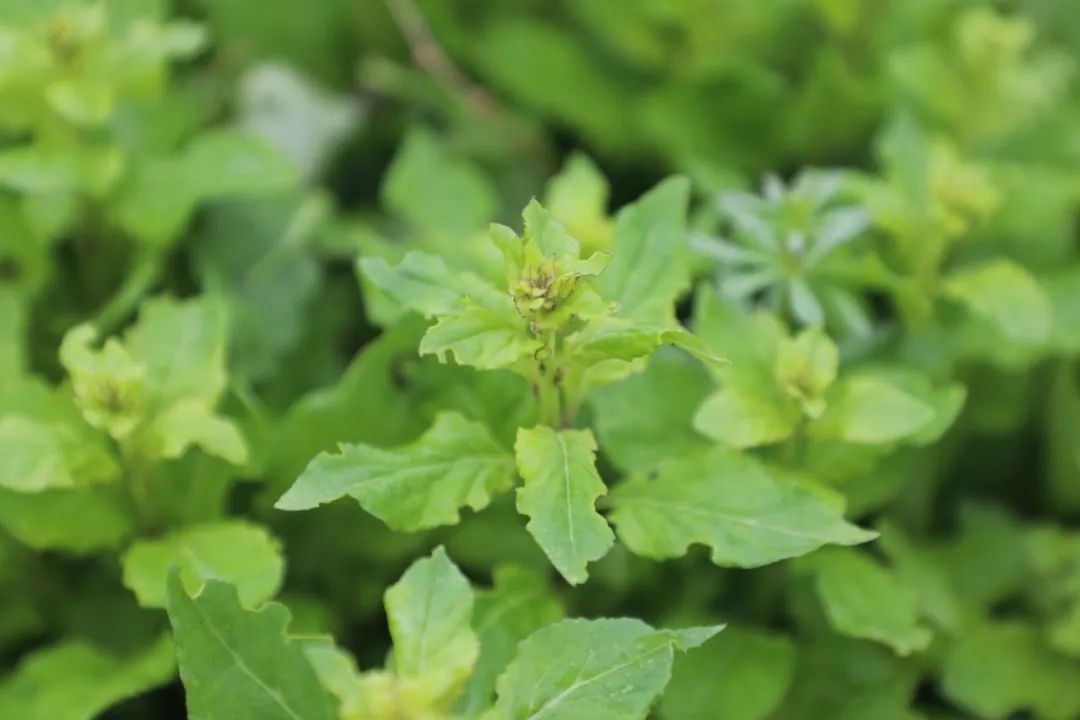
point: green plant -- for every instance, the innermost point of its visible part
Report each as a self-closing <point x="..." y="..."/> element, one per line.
<point x="800" y="447"/>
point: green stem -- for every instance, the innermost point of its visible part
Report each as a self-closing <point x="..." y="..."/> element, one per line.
<point x="138" y="487"/>
<point x="138" y="283"/>
<point x="548" y="392"/>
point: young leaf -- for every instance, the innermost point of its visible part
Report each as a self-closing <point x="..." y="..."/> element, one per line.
<point x="649" y="270"/>
<point x="231" y="551"/>
<point x="420" y="485"/>
<point x="1008" y="296"/>
<point x="487" y="337"/>
<point x="78" y="519"/>
<point x="422" y="282"/>
<point x="430" y="613"/>
<point x="75" y="680"/>
<point x="748" y="514"/>
<point x="240" y="665"/>
<point x="611" y="669"/>
<point x="741" y="418"/>
<point x="868" y="409"/>
<point x="559" y="497"/>
<point x="864" y="600"/>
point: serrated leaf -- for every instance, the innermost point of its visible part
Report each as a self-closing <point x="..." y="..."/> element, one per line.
<point x="862" y="599"/>
<point x="744" y="671"/>
<point x="612" y="669"/>
<point x="480" y="336"/>
<point x="76" y="680"/>
<point x="559" y="497"/>
<point x="430" y="613"/>
<point x="456" y="463"/>
<point x="649" y="269"/>
<point x="236" y="552"/>
<point x="237" y="664"/>
<point x="193" y="422"/>
<point x="1008" y="296"/>
<point x="577" y="197"/>
<point x="423" y="282"/>
<point x="520" y="603"/>
<point x="748" y="514"/>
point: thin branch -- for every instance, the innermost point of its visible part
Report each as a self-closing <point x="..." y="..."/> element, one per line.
<point x="430" y="56"/>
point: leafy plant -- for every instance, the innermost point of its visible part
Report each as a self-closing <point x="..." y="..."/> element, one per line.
<point x="784" y="343"/>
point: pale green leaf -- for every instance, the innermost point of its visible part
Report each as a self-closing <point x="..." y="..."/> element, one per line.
<point x="192" y="422"/>
<point x="577" y="197"/>
<point x="649" y="270"/>
<point x="744" y="671"/>
<point x="236" y="552"/>
<point x="480" y="336"/>
<point x="559" y="497"/>
<point x="421" y="282"/>
<point x="740" y="418"/>
<point x="430" y="612"/>
<point x="612" y="669"/>
<point x="75" y="680"/>
<point x="420" y="485"/>
<point x="78" y="519"/>
<point x="237" y="664"/>
<point x="1007" y="295"/>
<point x="863" y="599"/>
<point x="868" y="409"/>
<point x="748" y="514"/>
<point x="182" y="343"/>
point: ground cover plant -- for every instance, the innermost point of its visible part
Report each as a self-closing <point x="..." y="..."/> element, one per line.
<point x="583" y="360"/>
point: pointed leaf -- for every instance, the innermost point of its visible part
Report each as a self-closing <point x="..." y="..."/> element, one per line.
<point x="420" y="485"/>
<point x="612" y="669"/>
<point x="559" y="497"/>
<point x="746" y="513"/>
<point x="430" y="612"/>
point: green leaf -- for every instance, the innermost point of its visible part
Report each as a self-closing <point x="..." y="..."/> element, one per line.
<point x="577" y="197"/>
<point x="739" y="417"/>
<point x="236" y="552"/>
<point x="649" y="269"/>
<point x="483" y="337"/>
<point x="420" y="485"/>
<point x="862" y="599"/>
<point x="157" y="202"/>
<point x="240" y="665"/>
<point x="647" y="417"/>
<point x="422" y="282"/>
<point x="438" y="192"/>
<point x="744" y="671"/>
<point x="559" y="497"/>
<point x="45" y="444"/>
<point x="520" y="603"/>
<point x="1007" y="295"/>
<point x="12" y="330"/>
<point x="611" y="669"/>
<point x="430" y="612"/>
<point x="868" y="409"/>
<point x="78" y="519"/>
<point x="747" y="513"/>
<point x="998" y="670"/>
<point x="182" y="343"/>
<point x="75" y="680"/>
<point x="192" y="422"/>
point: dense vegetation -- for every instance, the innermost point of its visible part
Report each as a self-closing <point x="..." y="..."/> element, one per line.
<point x="679" y="359"/>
